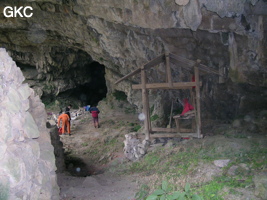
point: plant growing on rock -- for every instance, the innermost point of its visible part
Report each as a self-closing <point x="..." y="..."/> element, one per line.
<point x="166" y="193"/>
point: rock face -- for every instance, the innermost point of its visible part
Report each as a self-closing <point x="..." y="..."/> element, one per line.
<point x="63" y="38"/>
<point x="27" y="166"/>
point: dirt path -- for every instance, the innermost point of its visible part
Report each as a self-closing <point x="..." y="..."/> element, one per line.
<point x="105" y="184"/>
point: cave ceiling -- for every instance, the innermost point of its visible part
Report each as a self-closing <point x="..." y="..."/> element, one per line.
<point x="63" y="37"/>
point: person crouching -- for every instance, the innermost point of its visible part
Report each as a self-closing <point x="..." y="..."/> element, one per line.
<point x="65" y="123"/>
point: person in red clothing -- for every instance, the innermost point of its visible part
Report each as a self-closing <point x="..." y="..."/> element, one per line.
<point x="94" y="111"/>
<point x="187" y="107"/>
<point x="65" y="122"/>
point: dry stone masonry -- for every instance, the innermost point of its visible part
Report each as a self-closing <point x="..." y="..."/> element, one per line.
<point x="134" y="149"/>
<point x="27" y="162"/>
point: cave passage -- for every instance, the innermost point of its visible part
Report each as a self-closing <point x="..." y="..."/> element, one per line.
<point x="80" y="82"/>
<point x="93" y="90"/>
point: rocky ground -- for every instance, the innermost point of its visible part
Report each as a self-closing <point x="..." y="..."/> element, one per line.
<point x="89" y="178"/>
<point x="94" y="157"/>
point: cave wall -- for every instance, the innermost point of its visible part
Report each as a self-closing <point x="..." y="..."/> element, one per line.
<point x="27" y="161"/>
<point x="229" y="36"/>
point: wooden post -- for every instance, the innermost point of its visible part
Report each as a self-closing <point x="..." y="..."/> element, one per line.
<point x="198" y="114"/>
<point x="193" y="102"/>
<point x="168" y="69"/>
<point x="177" y="125"/>
<point x="145" y="103"/>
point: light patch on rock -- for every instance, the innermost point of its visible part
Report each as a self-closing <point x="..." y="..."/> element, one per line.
<point x="181" y="2"/>
<point x="221" y="163"/>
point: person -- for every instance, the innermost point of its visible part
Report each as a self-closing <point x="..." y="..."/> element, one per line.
<point x="67" y="110"/>
<point x="95" y="111"/>
<point x="65" y="123"/>
<point x="187" y="107"/>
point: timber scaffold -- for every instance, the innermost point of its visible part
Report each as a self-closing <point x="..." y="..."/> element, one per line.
<point x="194" y="68"/>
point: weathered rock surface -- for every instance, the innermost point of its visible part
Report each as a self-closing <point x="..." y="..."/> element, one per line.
<point x="63" y="38"/>
<point x="27" y="162"/>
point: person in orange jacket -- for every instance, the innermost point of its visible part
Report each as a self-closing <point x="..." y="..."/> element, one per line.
<point x="65" y="122"/>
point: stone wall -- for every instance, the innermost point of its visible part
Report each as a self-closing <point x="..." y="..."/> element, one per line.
<point x="27" y="160"/>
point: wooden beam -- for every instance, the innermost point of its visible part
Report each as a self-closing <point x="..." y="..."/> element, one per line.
<point x="168" y="70"/>
<point x="129" y="75"/>
<point x="169" y="135"/>
<point x="148" y="65"/>
<point x="198" y="114"/>
<point x="181" y="59"/>
<point x="171" y="130"/>
<point x="158" y="135"/>
<point x="180" y="85"/>
<point x="191" y="64"/>
<point x="145" y="104"/>
<point x="167" y="130"/>
<point x="208" y="69"/>
<point x="155" y="61"/>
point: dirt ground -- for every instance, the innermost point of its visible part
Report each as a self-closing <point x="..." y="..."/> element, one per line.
<point x="95" y="181"/>
<point x="92" y="172"/>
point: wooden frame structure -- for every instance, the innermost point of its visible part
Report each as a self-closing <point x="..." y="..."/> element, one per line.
<point x="195" y="67"/>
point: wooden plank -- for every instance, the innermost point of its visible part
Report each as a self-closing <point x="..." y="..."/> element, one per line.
<point x="167" y="130"/>
<point x="151" y="63"/>
<point x="144" y="101"/>
<point x="170" y="135"/>
<point x="177" y="125"/>
<point x="180" y="85"/>
<point x="198" y="114"/>
<point x="168" y="70"/>
<point x="162" y="135"/>
<point x="208" y="69"/>
<point x="129" y="75"/>
<point x="193" y="97"/>
<point x="155" y="61"/>
<point x="190" y="64"/>
<point x="171" y="130"/>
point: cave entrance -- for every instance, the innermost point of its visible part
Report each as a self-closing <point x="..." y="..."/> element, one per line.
<point x="93" y="89"/>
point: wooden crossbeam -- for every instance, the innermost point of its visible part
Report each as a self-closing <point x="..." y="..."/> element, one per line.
<point x="171" y="130"/>
<point x="181" y="85"/>
<point x="185" y="61"/>
<point x="189" y="64"/>
<point x="148" y="65"/>
<point x="155" y="61"/>
<point x="208" y="69"/>
<point x="129" y="75"/>
<point x="169" y="135"/>
<point x="168" y="70"/>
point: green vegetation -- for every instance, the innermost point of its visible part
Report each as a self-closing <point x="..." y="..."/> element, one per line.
<point x="120" y="95"/>
<point x="136" y="128"/>
<point x="154" y="117"/>
<point x="177" y="163"/>
<point x="84" y="144"/>
<point x="166" y="192"/>
<point x="152" y="109"/>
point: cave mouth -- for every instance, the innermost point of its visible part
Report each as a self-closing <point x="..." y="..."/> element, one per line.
<point x="89" y="93"/>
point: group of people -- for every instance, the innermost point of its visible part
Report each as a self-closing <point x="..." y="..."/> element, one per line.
<point x="64" y="119"/>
